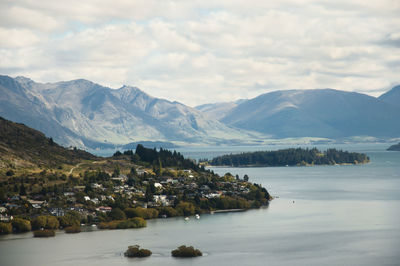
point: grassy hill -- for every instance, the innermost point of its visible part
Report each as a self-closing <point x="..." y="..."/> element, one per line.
<point x="24" y="147"/>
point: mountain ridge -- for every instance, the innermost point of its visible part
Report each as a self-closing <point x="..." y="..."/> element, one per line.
<point x="83" y="113"/>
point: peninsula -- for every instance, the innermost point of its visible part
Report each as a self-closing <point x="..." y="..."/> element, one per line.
<point x="46" y="186"/>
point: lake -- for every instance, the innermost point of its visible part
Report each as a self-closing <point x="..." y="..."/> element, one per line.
<point x="323" y="215"/>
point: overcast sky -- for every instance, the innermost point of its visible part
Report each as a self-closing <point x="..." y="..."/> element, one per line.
<point x="205" y="51"/>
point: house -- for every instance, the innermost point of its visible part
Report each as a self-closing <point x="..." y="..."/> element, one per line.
<point x="37" y="204"/>
<point x="57" y="212"/>
<point x="158" y="185"/>
<point x="3" y="209"/>
<point x="95" y="200"/>
<point x="95" y="185"/>
<point x="86" y="198"/>
<point x="121" y="178"/>
<point x="79" y="188"/>
<point x="104" y="209"/>
<point x="141" y="172"/>
<point x="5" y="218"/>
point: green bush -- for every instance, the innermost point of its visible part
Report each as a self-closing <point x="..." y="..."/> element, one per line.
<point x="5" y="228"/>
<point x="136" y="251"/>
<point x="186" y="252"/>
<point x="20" y="225"/>
<point x="70" y="219"/>
<point x="73" y="229"/>
<point x="44" y="233"/>
<point x="185" y="208"/>
<point x="38" y="222"/>
<point x="168" y="211"/>
<point x="136" y="222"/>
<point x="47" y="222"/>
<point x="141" y="212"/>
<point x="52" y="222"/>
<point x="117" y="214"/>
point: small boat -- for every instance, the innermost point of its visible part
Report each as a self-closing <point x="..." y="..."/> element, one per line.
<point x="197" y="216"/>
<point x="186" y="218"/>
<point x="93" y="225"/>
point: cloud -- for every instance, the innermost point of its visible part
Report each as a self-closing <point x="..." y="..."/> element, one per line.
<point x="205" y="51"/>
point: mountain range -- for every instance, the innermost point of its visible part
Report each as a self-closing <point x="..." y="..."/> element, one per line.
<point x="85" y="114"/>
<point x="323" y="113"/>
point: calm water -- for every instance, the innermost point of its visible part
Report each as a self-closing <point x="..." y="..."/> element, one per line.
<point x="325" y="215"/>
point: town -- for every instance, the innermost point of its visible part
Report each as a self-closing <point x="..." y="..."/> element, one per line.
<point x="147" y="183"/>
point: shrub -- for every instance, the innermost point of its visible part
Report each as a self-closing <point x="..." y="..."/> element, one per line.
<point x="47" y="222"/>
<point x="44" y="233"/>
<point x="52" y="222"/>
<point x="136" y="251"/>
<point x="141" y="212"/>
<point x="117" y="214"/>
<point x="70" y="219"/>
<point x="39" y="222"/>
<point x="185" y="208"/>
<point x="5" y="228"/>
<point x="186" y="252"/>
<point x="168" y="211"/>
<point x="136" y="222"/>
<point x="73" y="229"/>
<point x="20" y="225"/>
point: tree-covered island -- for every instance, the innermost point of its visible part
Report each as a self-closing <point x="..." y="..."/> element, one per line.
<point x="290" y="157"/>
<point x="44" y="186"/>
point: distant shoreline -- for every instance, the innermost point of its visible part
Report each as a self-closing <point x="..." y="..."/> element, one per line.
<point x="270" y="166"/>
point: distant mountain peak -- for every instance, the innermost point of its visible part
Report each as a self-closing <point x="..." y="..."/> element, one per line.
<point x="392" y="96"/>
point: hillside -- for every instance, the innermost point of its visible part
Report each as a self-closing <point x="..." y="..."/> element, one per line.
<point x="82" y="113"/>
<point x="218" y="110"/>
<point x="316" y="113"/>
<point x="392" y="97"/>
<point x="21" y="146"/>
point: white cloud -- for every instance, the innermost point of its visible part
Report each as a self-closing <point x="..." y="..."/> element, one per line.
<point x="205" y="51"/>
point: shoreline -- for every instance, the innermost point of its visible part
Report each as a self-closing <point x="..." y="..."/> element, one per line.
<point x="267" y="166"/>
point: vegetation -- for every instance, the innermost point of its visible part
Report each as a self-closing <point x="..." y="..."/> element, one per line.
<point x="149" y="213"/>
<point x="395" y="147"/>
<point x="44" y="233"/>
<point x="45" y="222"/>
<point x="291" y="157"/>
<point x="135" y="222"/>
<point x="73" y="229"/>
<point x="186" y="252"/>
<point x="51" y="187"/>
<point x="20" y="225"/>
<point x="24" y="146"/>
<point x="5" y="228"/>
<point x="136" y="251"/>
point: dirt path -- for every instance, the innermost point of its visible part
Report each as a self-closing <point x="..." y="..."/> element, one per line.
<point x="73" y="168"/>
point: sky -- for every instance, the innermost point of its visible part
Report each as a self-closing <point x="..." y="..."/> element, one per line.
<point x="203" y="51"/>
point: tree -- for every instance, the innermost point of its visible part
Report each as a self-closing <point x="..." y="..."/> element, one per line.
<point x="117" y="214"/>
<point x="149" y="193"/>
<point x="22" y="190"/>
<point x="246" y="178"/>
<point x="20" y="225"/>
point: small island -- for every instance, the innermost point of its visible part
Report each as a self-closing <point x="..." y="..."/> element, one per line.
<point x="289" y="157"/>
<point x="395" y="147"/>
<point x="186" y="252"/>
<point x="137" y="252"/>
